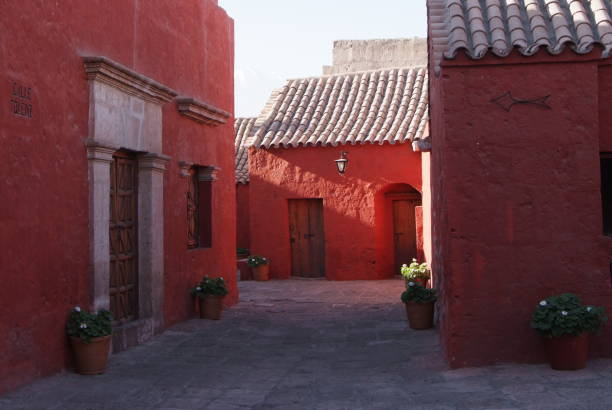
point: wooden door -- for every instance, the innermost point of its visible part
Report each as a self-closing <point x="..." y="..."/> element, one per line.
<point x="123" y="238"/>
<point x="404" y="232"/>
<point x="307" y="238"/>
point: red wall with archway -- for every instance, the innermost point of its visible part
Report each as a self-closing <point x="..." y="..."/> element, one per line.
<point x="353" y="250"/>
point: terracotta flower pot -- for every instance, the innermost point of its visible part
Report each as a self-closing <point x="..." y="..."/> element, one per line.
<point x="420" y="315"/>
<point x="568" y="352"/>
<point x="211" y="307"/>
<point x="92" y="357"/>
<point x="261" y="272"/>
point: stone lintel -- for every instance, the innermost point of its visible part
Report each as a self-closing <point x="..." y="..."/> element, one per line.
<point x="155" y="162"/>
<point x="116" y="75"/>
<point x="201" y="112"/>
<point x="185" y="166"/>
<point x="208" y="173"/>
<point x="97" y="152"/>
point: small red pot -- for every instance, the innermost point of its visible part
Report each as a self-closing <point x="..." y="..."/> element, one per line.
<point x="420" y="315"/>
<point x="568" y="352"/>
<point x="211" y="307"/>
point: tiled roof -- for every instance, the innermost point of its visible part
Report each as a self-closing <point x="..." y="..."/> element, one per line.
<point x="499" y="26"/>
<point x="369" y="107"/>
<point x="243" y="128"/>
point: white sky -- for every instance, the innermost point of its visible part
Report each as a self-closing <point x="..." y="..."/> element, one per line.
<point x="281" y="39"/>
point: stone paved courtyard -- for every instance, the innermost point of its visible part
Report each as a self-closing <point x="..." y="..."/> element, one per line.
<point x="311" y="344"/>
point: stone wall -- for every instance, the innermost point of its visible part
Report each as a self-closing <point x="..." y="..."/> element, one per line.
<point x="350" y="56"/>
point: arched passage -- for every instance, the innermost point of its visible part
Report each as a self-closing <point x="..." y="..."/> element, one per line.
<point x="399" y="227"/>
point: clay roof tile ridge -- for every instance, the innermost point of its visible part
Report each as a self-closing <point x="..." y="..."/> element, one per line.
<point x="375" y="134"/>
<point x="328" y="135"/>
<point x="331" y="106"/>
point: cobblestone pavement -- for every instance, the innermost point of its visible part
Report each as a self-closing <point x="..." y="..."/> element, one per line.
<point x="311" y="344"/>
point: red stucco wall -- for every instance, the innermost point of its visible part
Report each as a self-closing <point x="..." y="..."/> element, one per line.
<point x="516" y="201"/>
<point x="353" y="248"/>
<point x="243" y="239"/>
<point x="187" y="46"/>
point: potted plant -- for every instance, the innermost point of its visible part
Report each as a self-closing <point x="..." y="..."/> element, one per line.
<point x="90" y="337"/>
<point x="210" y="294"/>
<point x="565" y="323"/>
<point x="419" y="303"/>
<point x="416" y="272"/>
<point x="261" y="267"/>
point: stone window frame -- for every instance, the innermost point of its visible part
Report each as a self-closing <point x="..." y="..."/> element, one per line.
<point x="205" y="176"/>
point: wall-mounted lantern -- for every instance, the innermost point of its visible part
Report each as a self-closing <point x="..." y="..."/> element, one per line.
<point x="342" y="162"/>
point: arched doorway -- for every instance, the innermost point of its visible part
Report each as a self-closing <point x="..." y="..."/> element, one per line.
<point x="399" y="224"/>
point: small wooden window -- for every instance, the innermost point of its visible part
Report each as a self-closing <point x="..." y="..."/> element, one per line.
<point x="606" y="192"/>
<point x="205" y="217"/>
<point x="193" y="199"/>
<point x="199" y="207"/>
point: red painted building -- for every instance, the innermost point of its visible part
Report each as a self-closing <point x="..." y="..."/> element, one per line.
<point x="243" y="128"/>
<point x="116" y="181"/>
<point x="312" y="221"/>
<point x="521" y="176"/>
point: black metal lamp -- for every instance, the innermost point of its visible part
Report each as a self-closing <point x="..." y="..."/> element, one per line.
<point x="342" y="162"/>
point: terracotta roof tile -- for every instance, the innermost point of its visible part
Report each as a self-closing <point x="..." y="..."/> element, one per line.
<point x="498" y="26"/>
<point x="243" y="127"/>
<point x="376" y="107"/>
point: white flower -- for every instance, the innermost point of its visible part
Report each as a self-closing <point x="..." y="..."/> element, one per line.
<point x="410" y="283"/>
<point x="404" y="266"/>
<point x="543" y="303"/>
<point x="198" y="289"/>
<point x="83" y="326"/>
<point x="589" y="308"/>
<point x="563" y="313"/>
<point x="77" y="309"/>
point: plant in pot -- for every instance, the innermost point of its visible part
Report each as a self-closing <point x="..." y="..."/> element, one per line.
<point x="90" y="337"/>
<point x="261" y="267"/>
<point x="420" y="303"/>
<point x="416" y="272"/>
<point x="210" y="293"/>
<point x="565" y="324"/>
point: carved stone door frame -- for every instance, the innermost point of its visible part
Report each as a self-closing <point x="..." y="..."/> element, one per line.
<point x="125" y="112"/>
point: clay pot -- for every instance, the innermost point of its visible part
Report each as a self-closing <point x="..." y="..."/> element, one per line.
<point x="92" y="357"/>
<point x="568" y="352"/>
<point x="211" y="307"/>
<point x="420" y="315"/>
<point x="261" y="272"/>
